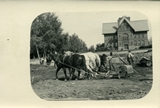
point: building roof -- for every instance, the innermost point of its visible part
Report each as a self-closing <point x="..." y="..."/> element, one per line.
<point x="139" y="25"/>
<point x="109" y="28"/>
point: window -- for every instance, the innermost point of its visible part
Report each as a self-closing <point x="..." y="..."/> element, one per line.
<point x="116" y="43"/>
<point x="128" y="27"/>
<point x="131" y="43"/>
<point x="142" y="43"/>
<point x="142" y="35"/>
<point x="121" y="28"/>
<point x="115" y="37"/>
<point x="139" y="43"/>
<point x="112" y="44"/>
<point x="135" y="42"/>
<point x="119" y="44"/>
<point x="112" y="37"/>
<point x="108" y="44"/>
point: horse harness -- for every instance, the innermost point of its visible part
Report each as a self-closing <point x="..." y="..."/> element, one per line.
<point x="65" y="57"/>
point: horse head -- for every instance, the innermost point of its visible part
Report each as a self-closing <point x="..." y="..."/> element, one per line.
<point x="52" y="56"/>
<point x="48" y="59"/>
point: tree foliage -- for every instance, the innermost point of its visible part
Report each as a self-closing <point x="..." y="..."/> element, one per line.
<point x="101" y="47"/>
<point x="91" y="48"/>
<point x="47" y="35"/>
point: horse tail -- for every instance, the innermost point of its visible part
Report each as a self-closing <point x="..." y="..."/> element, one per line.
<point x="83" y="63"/>
<point x="98" y="60"/>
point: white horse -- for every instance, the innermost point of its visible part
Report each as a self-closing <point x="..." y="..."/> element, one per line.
<point x="93" y="61"/>
<point x="68" y="53"/>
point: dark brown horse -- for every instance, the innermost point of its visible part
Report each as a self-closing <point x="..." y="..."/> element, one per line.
<point x="71" y="62"/>
<point x="106" y="62"/>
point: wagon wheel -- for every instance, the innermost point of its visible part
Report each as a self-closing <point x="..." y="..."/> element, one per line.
<point x="148" y="63"/>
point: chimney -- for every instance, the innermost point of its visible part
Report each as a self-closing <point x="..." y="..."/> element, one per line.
<point x="128" y="18"/>
<point x="119" y="20"/>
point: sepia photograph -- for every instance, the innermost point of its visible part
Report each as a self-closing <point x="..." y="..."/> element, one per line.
<point x="115" y="63"/>
<point x="79" y="54"/>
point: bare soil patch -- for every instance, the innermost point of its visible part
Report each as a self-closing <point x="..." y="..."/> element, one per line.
<point x="46" y="87"/>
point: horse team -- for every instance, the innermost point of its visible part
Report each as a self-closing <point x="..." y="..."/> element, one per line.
<point x="88" y="62"/>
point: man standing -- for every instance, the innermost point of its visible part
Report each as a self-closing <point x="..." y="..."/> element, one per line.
<point x="130" y="58"/>
<point x="110" y="61"/>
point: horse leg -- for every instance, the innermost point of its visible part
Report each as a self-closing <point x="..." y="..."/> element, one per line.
<point x="70" y="72"/>
<point x="79" y="72"/>
<point x="54" y="65"/>
<point x="57" y="72"/>
<point x="88" y="70"/>
<point x="64" y="70"/>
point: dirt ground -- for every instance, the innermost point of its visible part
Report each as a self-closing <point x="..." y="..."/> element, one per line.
<point x="103" y="88"/>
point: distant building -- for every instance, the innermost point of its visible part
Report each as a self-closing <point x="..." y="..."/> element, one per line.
<point x="125" y="34"/>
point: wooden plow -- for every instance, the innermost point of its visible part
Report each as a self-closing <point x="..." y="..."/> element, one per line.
<point x="125" y="71"/>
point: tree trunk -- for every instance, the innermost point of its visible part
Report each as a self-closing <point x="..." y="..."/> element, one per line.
<point x="38" y="54"/>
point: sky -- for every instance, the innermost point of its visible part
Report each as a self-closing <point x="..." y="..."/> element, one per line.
<point x="88" y="25"/>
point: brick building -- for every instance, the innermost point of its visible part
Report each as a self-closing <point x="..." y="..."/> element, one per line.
<point x="125" y="34"/>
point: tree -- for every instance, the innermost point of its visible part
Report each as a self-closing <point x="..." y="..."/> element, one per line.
<point x="100" y="47"/>
<point x="76" y="44"/>
<point x="45" y="30"/>
<point x="91" y="48"/>
<point x="47" y="35"/>
<point x="35" y="43"/>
